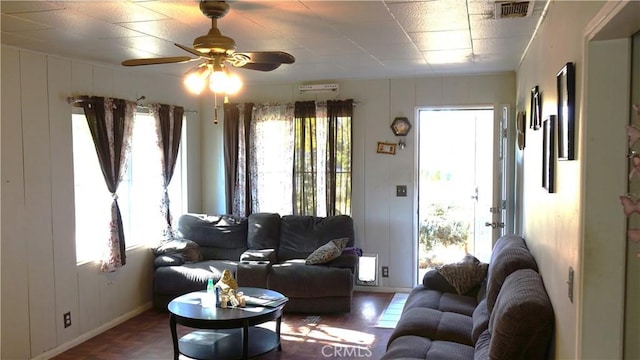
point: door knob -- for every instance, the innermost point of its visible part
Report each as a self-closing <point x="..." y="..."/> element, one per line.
<point x="494" y="224"/>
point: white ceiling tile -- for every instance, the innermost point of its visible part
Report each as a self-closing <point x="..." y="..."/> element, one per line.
<point x="168" y="29"/>
<point x="394" y="51"/>
<point x="482" y="7"/>
<point x="436" y="15"/>
<point x="498" y="46"/>
<point x="349" y="12"/>
<point x="14" y="23"/>
<point x="384" y="32"/>
<point x="442" y="40"/>
<point x="121" y="11"/>
<point x="491" y="28"/>
<point x="449" y="56"/>
<point x="15" y="7"/>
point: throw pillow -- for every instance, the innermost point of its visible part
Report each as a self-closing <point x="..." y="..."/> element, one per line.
<point x="324" y="254"/>
<point x="341" y="243"/>
<point x="464" y="275"/>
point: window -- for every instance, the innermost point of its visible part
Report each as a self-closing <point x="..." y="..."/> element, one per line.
<point x="139" y="193"/>
<point x="298" y="160"/>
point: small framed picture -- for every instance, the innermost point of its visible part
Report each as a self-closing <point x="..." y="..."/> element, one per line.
<point x="386" y="148"/>
<point x="566" y="112"/>
<point x="536" y="109"/>
<point x="548" y="154"/>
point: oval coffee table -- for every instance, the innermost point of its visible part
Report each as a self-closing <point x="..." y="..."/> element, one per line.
<point x="226" y="333"/>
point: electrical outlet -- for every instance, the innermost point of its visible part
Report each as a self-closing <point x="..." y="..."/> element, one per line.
<point x="385" y="271"/>
<point x="401" y="190"/>
<point x="67" y="319"/>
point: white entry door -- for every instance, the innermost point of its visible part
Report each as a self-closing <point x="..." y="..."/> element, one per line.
<point x="457" y="163"/>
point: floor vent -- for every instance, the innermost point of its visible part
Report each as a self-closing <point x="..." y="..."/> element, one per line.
<point x="513" y="9"/>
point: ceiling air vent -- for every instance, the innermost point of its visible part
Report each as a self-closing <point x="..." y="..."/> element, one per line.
<point x="513" y="9"/>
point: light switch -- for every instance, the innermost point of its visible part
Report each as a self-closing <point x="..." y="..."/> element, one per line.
<point x="401" y="190"/>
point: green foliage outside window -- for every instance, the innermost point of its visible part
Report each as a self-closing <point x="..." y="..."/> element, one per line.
<point x="444" y="225"/>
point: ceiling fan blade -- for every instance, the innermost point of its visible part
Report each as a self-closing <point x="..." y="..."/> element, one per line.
<point x="270" y="57"/>
<point x="260" y="66"/>
<point x="190" y="50"/>
<point x="155" y="61"/>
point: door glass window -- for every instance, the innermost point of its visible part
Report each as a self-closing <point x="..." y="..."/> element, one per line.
<point x="455" y="185"/>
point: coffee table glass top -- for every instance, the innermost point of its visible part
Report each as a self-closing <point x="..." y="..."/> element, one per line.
<point x="190" y="305"/>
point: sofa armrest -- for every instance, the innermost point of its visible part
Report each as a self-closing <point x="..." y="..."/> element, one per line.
<point x="345" y="261"/>
<point x="167" y="260"/>
<point x="268" y="255"/>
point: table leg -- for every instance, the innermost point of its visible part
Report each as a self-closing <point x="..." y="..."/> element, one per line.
<point x="278" y="321"/>
<point x="245" y="340"/>
<point x="174" y="336"/>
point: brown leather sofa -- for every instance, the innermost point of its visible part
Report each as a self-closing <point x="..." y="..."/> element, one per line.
<point x="508" y="316"/>
<point x="262" y="250"/>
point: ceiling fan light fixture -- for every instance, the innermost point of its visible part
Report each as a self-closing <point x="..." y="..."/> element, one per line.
<point x="234" y="84"/>
<point x="222" y="81"/>
<point x="195" y="79"/>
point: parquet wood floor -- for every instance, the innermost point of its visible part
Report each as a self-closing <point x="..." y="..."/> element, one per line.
<point x="304" y="336"/>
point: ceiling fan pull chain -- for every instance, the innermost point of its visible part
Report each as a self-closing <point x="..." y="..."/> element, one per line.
<point x="215" y="108"/>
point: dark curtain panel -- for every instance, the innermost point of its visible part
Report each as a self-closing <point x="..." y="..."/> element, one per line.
<point x="304" y="159"/>
<point x="230" y="139"/>
<point x="169" y="130"/>
<point x="110" y="123"/>
<point x="339" y="156"/>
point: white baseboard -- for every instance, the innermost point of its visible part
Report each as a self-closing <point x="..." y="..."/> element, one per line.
<point x="92" y="333"/>
<point x="380" y="289"/>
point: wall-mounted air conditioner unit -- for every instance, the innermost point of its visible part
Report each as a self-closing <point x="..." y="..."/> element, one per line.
<point x="318" y="87"/>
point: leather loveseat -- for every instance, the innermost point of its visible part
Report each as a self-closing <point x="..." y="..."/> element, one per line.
<point x="262" y="250"/>
<point x="507" y="316"/>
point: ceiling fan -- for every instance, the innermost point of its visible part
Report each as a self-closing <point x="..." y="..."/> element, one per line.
<point x="218" y="50"/>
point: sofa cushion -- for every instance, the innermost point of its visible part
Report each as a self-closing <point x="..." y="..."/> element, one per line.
<point x="294" y="278"/>
<point x="480" y="320"/>
<point x="219" y="237"/>
<point x="435" y="325"/>
<point x="263" y="231"/>
<point x="449" y="302"/>
<point x="510" y="254"/>
<point x="521" y="323"/>
<point x="464" y="275"/>
<point x="302" y="235"/>
<point x="416" y="347"/>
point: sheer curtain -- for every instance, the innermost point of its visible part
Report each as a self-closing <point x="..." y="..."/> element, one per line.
<point x="110" y="123"/>
<point x="168" y="119"/>
<point x="271" y="158"/>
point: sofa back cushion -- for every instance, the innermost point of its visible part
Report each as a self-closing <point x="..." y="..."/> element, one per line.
<point x="264" y="231"/>
<point x="301" y="235"/>
<point x="521" y="324"/>
<point x="222" y="237"/>
<point x="509" y="254"/>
